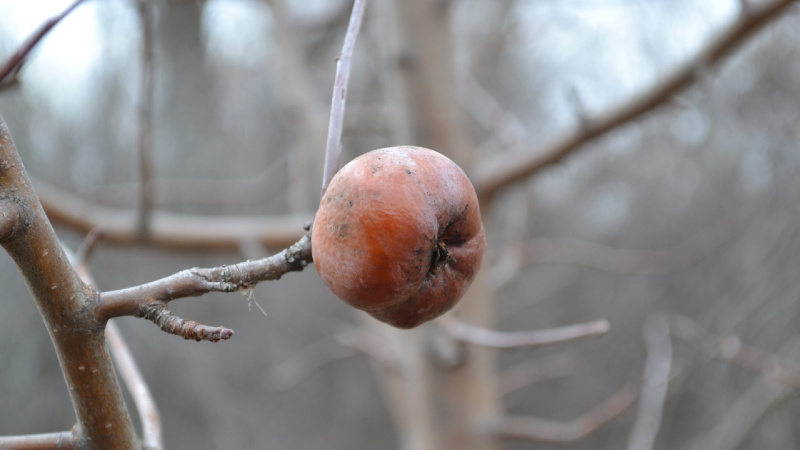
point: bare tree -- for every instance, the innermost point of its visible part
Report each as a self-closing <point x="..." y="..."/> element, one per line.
<point x="442" y="382"/>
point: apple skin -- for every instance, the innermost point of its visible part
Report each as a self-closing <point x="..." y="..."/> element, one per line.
<point x="398" y="234"/>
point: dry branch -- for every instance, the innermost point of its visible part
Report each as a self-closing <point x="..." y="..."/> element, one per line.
<point x="333" y="147"/>
<point x="497" y="172"/>
<point x="149" y="300"/>
<point x="145" y="110"/>
<point x="483" y="337"/>
<point x="169" y="229"/>
<point x="63" y="301"/>
<point x="771" y="367"/>
<point x="9" y="70"/>
<point x="62" y="440"/>
<point x="654" y="387"/>
<point x="546" y="430"/>
<point x="137" y="386"/>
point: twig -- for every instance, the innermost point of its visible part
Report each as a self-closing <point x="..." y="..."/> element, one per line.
<point x="546" y="430"/>
<point x="85" y="250"/>
<point x="187" y="329"/>
<point x="654" y="387"/>
<point x="771" y="367"/>
<point x="530" y="372"/>
<point x="146" y="97"/>
<point x="746" y="411"/>
<point x="62" y="440"/>
<point x="497" y="172"/>
<point x="333" y="147"/>
<point x="483" y="337"/>
<point x="137" y="386"/>
<point x="149" y="300"/>
<point x="171" y="230"/>
<point x="308" y="361"/>
<point x="15" y="61"/>
<point x="635" y="261"/>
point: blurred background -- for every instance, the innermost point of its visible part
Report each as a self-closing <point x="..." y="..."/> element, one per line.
<point x="691" y="210"/>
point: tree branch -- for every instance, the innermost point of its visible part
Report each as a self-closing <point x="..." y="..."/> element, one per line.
<point x="63" y="301"/>
<point x="546" y="430"/>
<point x="137" y="386"/>
<point x="333" y="148"/>
<point x="62" y="440"/>
<point x="483" y="337"/>
<point x="169" y="229"/>
<point x="9" y="70"/>
<point x="145" y="110"/>
<point x="497" y="172"/>
<point x="149" y="300"/>
<point x="654" y="387"/>
<point x="771" y="367"/>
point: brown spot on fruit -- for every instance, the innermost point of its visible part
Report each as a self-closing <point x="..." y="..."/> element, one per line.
<point x="413" y="243"/>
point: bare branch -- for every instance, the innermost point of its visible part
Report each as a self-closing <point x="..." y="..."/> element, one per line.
<point x="530" y="372"/>
<point x="62" y="440"/>
<point x="483" y="337"/>
<point x="146" y="98"/>
<point x="333" y="148"/>
<point x="654" y="387"/>
<point x="125" y="364"/>
<point x="61" y="298"/>
<point x="169" y="229"/>
<point x="546" y="430"/>
<point x="12" y="65"/>
<point x="137" y="386"/>
<point x="308" y="361"/>
<point x="771" y="367"/>
<point x="633" y="261"/>
<point x="497" y="172"/>
<point x="149" y="300"/>
<point x="187" y="329"/>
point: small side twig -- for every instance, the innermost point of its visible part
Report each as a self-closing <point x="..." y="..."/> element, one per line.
<point x="546" y="430"/>
<point x="333" y="148"/>
<point x="12" y="65"/>
<point x="149" y="300"/>
<point x="770" y="366"/>
<point x="483" y="337"/>
<point x="187" y="329"/>
<point x="62" y="440"/>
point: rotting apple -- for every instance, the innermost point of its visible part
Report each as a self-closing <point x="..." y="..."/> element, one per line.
<point x="398" y="234"/>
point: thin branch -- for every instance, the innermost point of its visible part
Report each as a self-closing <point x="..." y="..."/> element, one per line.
<point x="62" y="440"/>
<point x="546" y="430"/>
<point x="333" y="147"/>
<point x="499" y="171"/>
<point x="12" y="65"/>
<point x="187" y="329"/>
<point x="169" y="229"/>
<point x="85" y="250"/>
<point x="149" y="300"/>
<point x="633" y="261"/>
<point x="308" y="361"/>
<point x="137" y="386"/>
<point x="771" y="367"/>
<point x="146" y="98"/>
<point x="529" y="372"/>
<point x="654" y="387"/>
<point x="744" y="413"/>
<point x="483" y="337"/>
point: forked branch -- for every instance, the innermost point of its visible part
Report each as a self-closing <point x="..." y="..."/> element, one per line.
<point x="494" y="173"/>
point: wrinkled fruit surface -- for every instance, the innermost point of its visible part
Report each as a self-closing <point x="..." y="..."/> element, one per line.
<point x="398" y="234"/>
